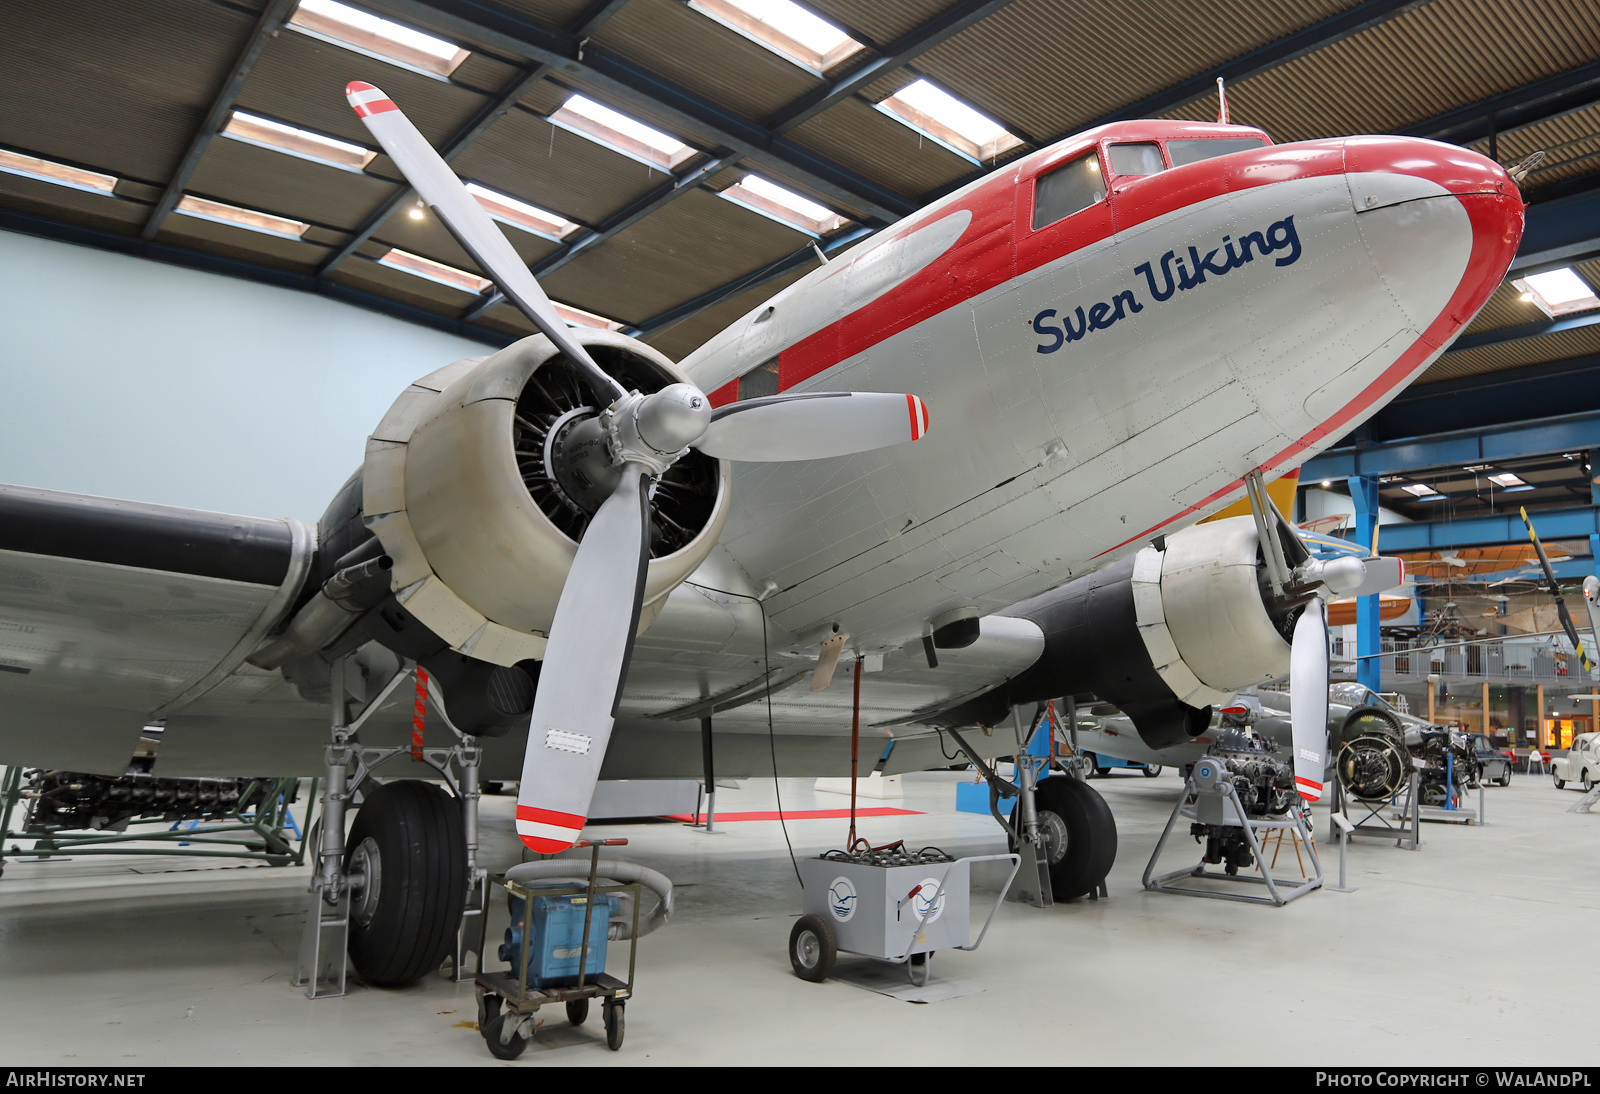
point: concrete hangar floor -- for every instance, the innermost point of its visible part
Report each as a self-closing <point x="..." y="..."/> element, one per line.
<point x="1459" y="954"/>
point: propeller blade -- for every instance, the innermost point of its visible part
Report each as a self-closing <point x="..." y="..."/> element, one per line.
<point x="580" y="682"/>
<point x="1591" y="601"/>
<point x="1555" y="591"/>
<point x="466" y="220"/>
<point x="812" y="426"/>
<point x="1308" y="699"/>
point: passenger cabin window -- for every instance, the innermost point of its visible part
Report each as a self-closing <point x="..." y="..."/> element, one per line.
<point x="1068" y="189"/>
<point x="760" y="381"/>
<point x="1143" y="158"/>
<point x="1183" y="152"/>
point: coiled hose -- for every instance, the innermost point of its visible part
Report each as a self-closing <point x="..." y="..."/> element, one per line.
<point x="609" y="871"/>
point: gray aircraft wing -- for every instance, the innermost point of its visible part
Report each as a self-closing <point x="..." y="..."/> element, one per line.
<point x="115" y="614"/>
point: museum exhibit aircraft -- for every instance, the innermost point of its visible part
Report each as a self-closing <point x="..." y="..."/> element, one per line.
<point x="963" y="456"/>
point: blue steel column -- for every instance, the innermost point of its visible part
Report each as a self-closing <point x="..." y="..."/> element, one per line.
<point x="1364" y="492"/>
<point x="1594" y="496"/>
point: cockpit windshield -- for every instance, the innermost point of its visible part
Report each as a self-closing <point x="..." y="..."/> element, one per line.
<point x="1141" y="158"/>
<point x="1183" y="152"/>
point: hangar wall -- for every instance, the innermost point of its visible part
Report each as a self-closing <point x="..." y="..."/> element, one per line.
<point x="135" y="379"/>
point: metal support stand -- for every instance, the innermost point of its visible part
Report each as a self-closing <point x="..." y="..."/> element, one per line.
<point x="711" y="778"/>
<point x="1408" y="833"/>
<point x="1033" y="877"/>
<point x="1587" y="802"/>
<point x="1219" y="804"/>
<point x="322" y="963"/>
<point x="1342" y="823"/>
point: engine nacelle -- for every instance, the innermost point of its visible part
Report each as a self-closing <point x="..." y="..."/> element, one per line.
<point x="482" y="477"/>
<point x="1164" y="634"/>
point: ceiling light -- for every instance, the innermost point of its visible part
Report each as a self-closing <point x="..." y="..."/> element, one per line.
<point x="251" y="219"/>
<point x="621" y="133"/>
<point x="785" y="28"/>
<point x="438" y="272"/>
<point x="1417" y="489"/>
<point x="519" y="214"/>
<point x="1559" y="292"/>
<point x="577" y="317"/>
<point x="388" y="41"/>
<point x="1327" y="482"/>
<point x="771" y="200"/>
<point x="948" y="120"/>
<point x="416" y="211"/>
<point x="15" y="163"/>
<point x="304" y="143"/>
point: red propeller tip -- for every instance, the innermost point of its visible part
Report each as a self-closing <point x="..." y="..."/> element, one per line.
<point x="366" y="100"/>
<point x="547" y="831"/>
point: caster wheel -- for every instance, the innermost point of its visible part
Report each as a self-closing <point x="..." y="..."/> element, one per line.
<point x="577" y="1011"/>
<point x="614" y="1025"/>
<point x="501" y="1046"/>
<point x="812" y="949"/>
<point x="1152" y="770"/>
<point x="917" y="968"/>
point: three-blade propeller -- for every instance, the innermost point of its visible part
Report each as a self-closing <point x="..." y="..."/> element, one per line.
<point x="597" y="615"/>
<point x="1304" y="578"/>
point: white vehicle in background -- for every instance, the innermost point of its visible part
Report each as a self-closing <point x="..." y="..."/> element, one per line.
<point x="1580" y="765"/>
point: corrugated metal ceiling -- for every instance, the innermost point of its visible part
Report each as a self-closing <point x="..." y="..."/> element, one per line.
<point x="123" y="87"/>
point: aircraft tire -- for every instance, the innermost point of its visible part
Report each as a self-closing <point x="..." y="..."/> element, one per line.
<point x="1091" y="844"/>
<point x="413" y="830"/>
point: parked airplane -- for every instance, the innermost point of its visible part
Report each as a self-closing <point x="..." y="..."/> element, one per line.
<point x="1091" y="348"/>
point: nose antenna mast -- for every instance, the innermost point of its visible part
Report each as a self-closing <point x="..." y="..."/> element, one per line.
<point x="1222" y="101"/>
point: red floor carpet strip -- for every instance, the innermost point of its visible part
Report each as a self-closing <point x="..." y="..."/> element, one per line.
<point x="804" y="814"/>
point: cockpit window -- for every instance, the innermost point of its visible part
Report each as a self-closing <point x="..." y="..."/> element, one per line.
<point x="1183" y="152"/>
<point x="1143" y="158"/>
<point x="1068" y="189"/>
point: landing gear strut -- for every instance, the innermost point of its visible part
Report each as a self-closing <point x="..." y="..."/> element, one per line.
<point x="394" y="901"/>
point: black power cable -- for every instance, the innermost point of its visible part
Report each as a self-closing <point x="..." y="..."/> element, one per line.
<point x="772" y="744"/>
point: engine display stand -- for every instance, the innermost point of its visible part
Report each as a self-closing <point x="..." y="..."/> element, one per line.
<point x="1407" y="834"/>
<point x="323" y="957"/>
<point x="260" y="832"/>
<point x="1218" y="803"/>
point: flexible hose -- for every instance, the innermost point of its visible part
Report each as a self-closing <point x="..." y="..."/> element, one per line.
<point x="613" y="870"/>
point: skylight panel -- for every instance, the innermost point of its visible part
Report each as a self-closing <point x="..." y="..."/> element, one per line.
<point x="1509" y="482"/>
<point x="15" y="163"/>
<point x="621" y="133"/>
<point x="949" y="121"/>
<point x="1420" y="490"/>
<point x="304" y="143"/>
<point x="438" y="272"/>
<point x="771" y="200"/>
<point x="389" y="41"/>
<point x="786" y="28"/>
<point x="519" y="214"/>
<point x="1559" y="292"/>
<point x="577" y="317"/>
<point x="251" y="219"/>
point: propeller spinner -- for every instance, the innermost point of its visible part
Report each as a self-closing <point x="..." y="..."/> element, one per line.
<point x="640" y="437"/>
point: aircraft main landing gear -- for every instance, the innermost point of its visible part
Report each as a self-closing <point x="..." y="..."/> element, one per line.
<point x="394" y="899"/>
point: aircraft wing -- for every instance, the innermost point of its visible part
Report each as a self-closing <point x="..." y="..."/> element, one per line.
<point x="115" y="614"/>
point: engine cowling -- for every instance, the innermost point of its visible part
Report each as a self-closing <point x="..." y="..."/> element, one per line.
<point x="1164" y="634"/>
<point x="482" y="477"/>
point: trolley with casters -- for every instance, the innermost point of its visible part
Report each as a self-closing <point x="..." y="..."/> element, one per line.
<point x="508" y="1002"/>
<point x="897" y="907"/>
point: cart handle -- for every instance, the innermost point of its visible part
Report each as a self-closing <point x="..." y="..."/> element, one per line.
<point x="614" y="841"/>
<point x="1016" y="864"/>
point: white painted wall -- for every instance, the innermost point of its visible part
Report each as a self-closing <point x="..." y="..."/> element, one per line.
<point x="134" y="379"/>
